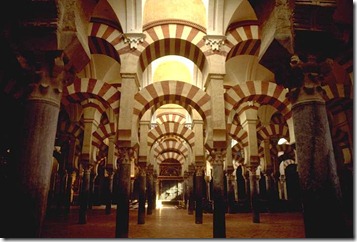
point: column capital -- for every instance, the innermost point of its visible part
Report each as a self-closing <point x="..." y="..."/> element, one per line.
<point x="133" y="39"/>
<point x="191" y="169"/>
<point x="217" y="157"/>
<point x="150" y="169"/>
<point x="126" y="155"/>
<point x="47" y="77"/>
<point x="215" y="41"/>
<point x="307" y="79"/>
<point x="200" y="170"/>
<point x="142" y="168"/>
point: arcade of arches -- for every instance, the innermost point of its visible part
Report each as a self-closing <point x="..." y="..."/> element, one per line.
<point x="216" y="106"/>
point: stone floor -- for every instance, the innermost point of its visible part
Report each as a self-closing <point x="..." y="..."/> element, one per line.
<point x="174" y="223"/>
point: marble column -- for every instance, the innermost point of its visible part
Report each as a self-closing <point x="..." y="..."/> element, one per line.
<point x="69" y="192"/>
<point x="93" y="177"/>
<point x="219" y="210"/>
<point x="155" y="189"/>
<point x="198" y="194"/>
<point x="91" y="118"/>
<point x="142" y="192"/>
<point x="231" y="179"/>
<point x="33" y="171"/>
<point x="268" y="173"/>
<point x="84" y="193"/>
<point x="70" y="167"/>
<point x="126" y="154"/>
<point x="149" y="188"/>
<point x="110" y="183"/>
<point x="254" y="195"/>
<point x="319" y="182"/>
<point x="111" y="167"/>
<point x="191" y="199"/>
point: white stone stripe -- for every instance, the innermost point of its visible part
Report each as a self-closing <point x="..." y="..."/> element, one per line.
<point x="90" y="28"/>
<point x="159" y="33"/>
<point x="172" y="30"/>
<point x="186" y="31"/>
<point x="242" y="33"/>
<point x="101" y="30"/>
<point x="255" y="31"/>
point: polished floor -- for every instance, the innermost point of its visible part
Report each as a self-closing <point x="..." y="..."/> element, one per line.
<point x="170" y="222"/>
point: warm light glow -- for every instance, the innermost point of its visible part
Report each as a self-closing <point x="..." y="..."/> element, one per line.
<point x="282" y="141"/>
<point x="172" y="67"/>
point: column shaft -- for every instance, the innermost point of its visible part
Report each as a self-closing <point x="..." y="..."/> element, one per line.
<point x="84" y="195"/>
<point x="142" y="195"/>
<point x="123" y="196"/>
<point x="198" y="196"/>
<point x="219" y="210"/>
<point x="317" y="171"/>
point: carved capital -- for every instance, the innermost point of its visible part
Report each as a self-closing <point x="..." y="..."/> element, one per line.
<point x="150" y="169"/>
<point x="133" y="39"/>
<point x="217" y="157"/>
<point x="199" y="170"/>
<point x="142" y="170"/>
<point x="215" y="41"/>
<point x="126" y="155"/>
<point x="47" y="76"/>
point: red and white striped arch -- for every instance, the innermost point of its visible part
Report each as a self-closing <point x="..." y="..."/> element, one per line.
<point x="170" y="156"/>
<point x="85" y="88"/>
<point x="94" y="103"/>
<point x="74" y="129"/>
<point x="103" y="132"/>
<point x="259" y="91"/>
<point x="238" y="133"/>
<point x="171" y="128"/>
<point x="339" y="136"/>
<point x="243" y="39"/>
<point x="175" y="92"/>
<point x="338" y="91"/>
<point x="173" y="39"/>
<point x="170" y="117"/>
<point x="113" y="37"/>
<point x="273" y="130"/>
<point x="171" y="146"/>
<point x="235" y="151"/>
<point x="285" y="164"/>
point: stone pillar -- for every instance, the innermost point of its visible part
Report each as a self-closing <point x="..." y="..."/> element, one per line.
<point x="198" y="194"/>
<point x="185" y="187"/>
<point x="231" y="179"/>
<point x="124" y="170"/>
<point x="110" y="183"/>
<point x="62" y="191"/>
<point x="268" y="174"/>
<point x="219" y="210"/>
<point x="111" y="167"/>
<point x="93" y="177"/>
<point x="155" y="189"/>
<point x="33" y="171"/>
<point x="249" y="120"/>
<point x="142" y="192"/>
<point x="191" y="172"/>
<point x="247" y="185"/>
<point x="208" y="188"/>
<point x="91" y="116"/>
<point x="84" y="194"/>
<point x="319" y="182"/>
<point x="282" y="188"/>
<point x="149" y="188"/>
<point x="70" y="166"/>
<point x="254" y="192"/>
